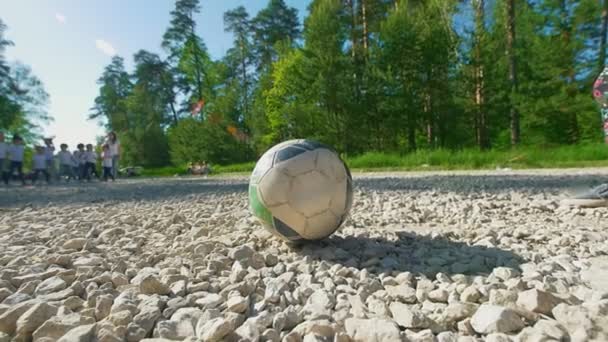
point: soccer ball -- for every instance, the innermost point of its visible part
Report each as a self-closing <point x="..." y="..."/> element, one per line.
<point x="300" y="190"/>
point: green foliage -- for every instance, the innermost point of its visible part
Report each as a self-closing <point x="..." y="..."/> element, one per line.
<point x="410" y="81"/>
<point x="23" y="100"/>
<point x="194" y="140"/>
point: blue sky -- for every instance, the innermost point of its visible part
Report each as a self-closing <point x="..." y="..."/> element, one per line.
<point x="68" y="42"/>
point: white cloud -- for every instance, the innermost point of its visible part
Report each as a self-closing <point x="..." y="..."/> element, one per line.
<point x="105" y="47"/>
<point x="60" y="18"/>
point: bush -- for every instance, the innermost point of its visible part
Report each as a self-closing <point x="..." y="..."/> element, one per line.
<point x="193" y="140"/>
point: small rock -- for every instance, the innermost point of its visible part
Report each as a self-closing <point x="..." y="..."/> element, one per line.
<point x="76" y="244"/>
<point x="470" y="294"/>
<point x="447" y="336"/>
<point x="237" y="304"/>
<point x="103" y="306"/>
<point x="361" y="330"/>
<point x="438" y="295"/>
<point x="407" y="317"/>
<point x="83" y="333"/>
<point x="403" y="293"/>
<point x="498" y="337"/>
<point x="505" y="273"/>
<point x="57" y="326"/>
<point x="214" y="330"/>
<point x="537" y="301"/>
<point x="151" y="285"/>
<point x="50" y="285"/>
<point x="241" y="252"/>
<point x="496" y="319"/>
<point x="270" y="335"/>
<point x="33" y="318"/>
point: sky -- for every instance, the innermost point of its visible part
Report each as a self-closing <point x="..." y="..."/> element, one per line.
<point x="67" y="43"/>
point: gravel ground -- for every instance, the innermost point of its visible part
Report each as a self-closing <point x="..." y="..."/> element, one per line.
<point x="444" y="256"/>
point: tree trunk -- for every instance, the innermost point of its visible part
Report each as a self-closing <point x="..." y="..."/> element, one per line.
<point x="482" y="135"/>
<point x="174" y="112"/>
<point x="353" y="36"/>
<point x="570" y="72"/>
<point x="602" y="54"/>
<point x="365" y="27"/>
<point x="245" y="81"/>
<point x="515" y="132"/>
<point x="199" y="81"/>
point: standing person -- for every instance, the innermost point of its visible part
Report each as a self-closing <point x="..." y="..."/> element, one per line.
<point x="90" y="162"/>
<point x="66" y="166"/>
<point x="15" y="152"/>
<point x="76" y="164"/>
<point x="114" y="145"/>
<point x="49" y="152"/>
<point x="107" y="163"/>
<point x="40" y="164"/>
<point x="81" y="156"/>
<point x="3" y="153"/>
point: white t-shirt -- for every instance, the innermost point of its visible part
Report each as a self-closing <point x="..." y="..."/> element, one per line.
<point x="39" y="161"/>
<point x="16" y="152"/>
<point x="81" y="156"/>
<point x="65" y="158"/>
<point x="114" y="147"/>
<point x="75" y="159"/>
<point x="107" y="159"/>
<point x="3" y="150"/>
<point x="90" y="157"/>
<point x="49" y="151"/>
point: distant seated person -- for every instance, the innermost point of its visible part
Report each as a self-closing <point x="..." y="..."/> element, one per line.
<point x="199" y="168"/>
<point x="205" y="169"/>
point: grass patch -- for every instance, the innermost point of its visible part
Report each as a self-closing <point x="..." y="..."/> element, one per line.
<point x="470" y="159"/>
<point x="467" y="159"/>
<point x="166" y="171"/>
<point x="234" y="168"/>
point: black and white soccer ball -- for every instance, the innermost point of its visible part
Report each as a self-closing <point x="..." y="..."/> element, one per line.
<point x="301" y="190"/>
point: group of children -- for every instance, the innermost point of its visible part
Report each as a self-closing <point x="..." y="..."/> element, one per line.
<point x="80" y="165"/>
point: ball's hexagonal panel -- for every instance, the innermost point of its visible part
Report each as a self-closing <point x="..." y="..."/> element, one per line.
<point x="337" y="204"/>
<point x="261" y="167"/>
<point x="258" y="208"/>
<point x="330" y="164"/>
<point x="299" y="164"/>
<point x="290" y="217"/>
<point x="287" y="153"/>
<point x="286" y="232"/>
<point x="320" y="226"/>
<point x="274" y="187"/>
<point x="310" y="193"/>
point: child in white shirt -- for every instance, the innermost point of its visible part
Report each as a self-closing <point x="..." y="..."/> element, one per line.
<point x="81" y="157"/>
<point x="90" y="161"/>
<point x="66" y="164"/>
<point x="107" y="163"/>
<point x="49" y="152"/>
<point x="15" y="152"/>
<point x="40" y="164"/>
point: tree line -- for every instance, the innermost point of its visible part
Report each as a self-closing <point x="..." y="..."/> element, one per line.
<point x="23" y="99"/>
<point x="362" y="75"/>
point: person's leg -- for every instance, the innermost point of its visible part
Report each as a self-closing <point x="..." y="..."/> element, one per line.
<point x="47" y="175"/>
<point x="35" y="176"/>
<point x="9" y="174"/>
<point x="19" y="166"/>
<point x="50" y="168"/>
<point x="115" y="166"/>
